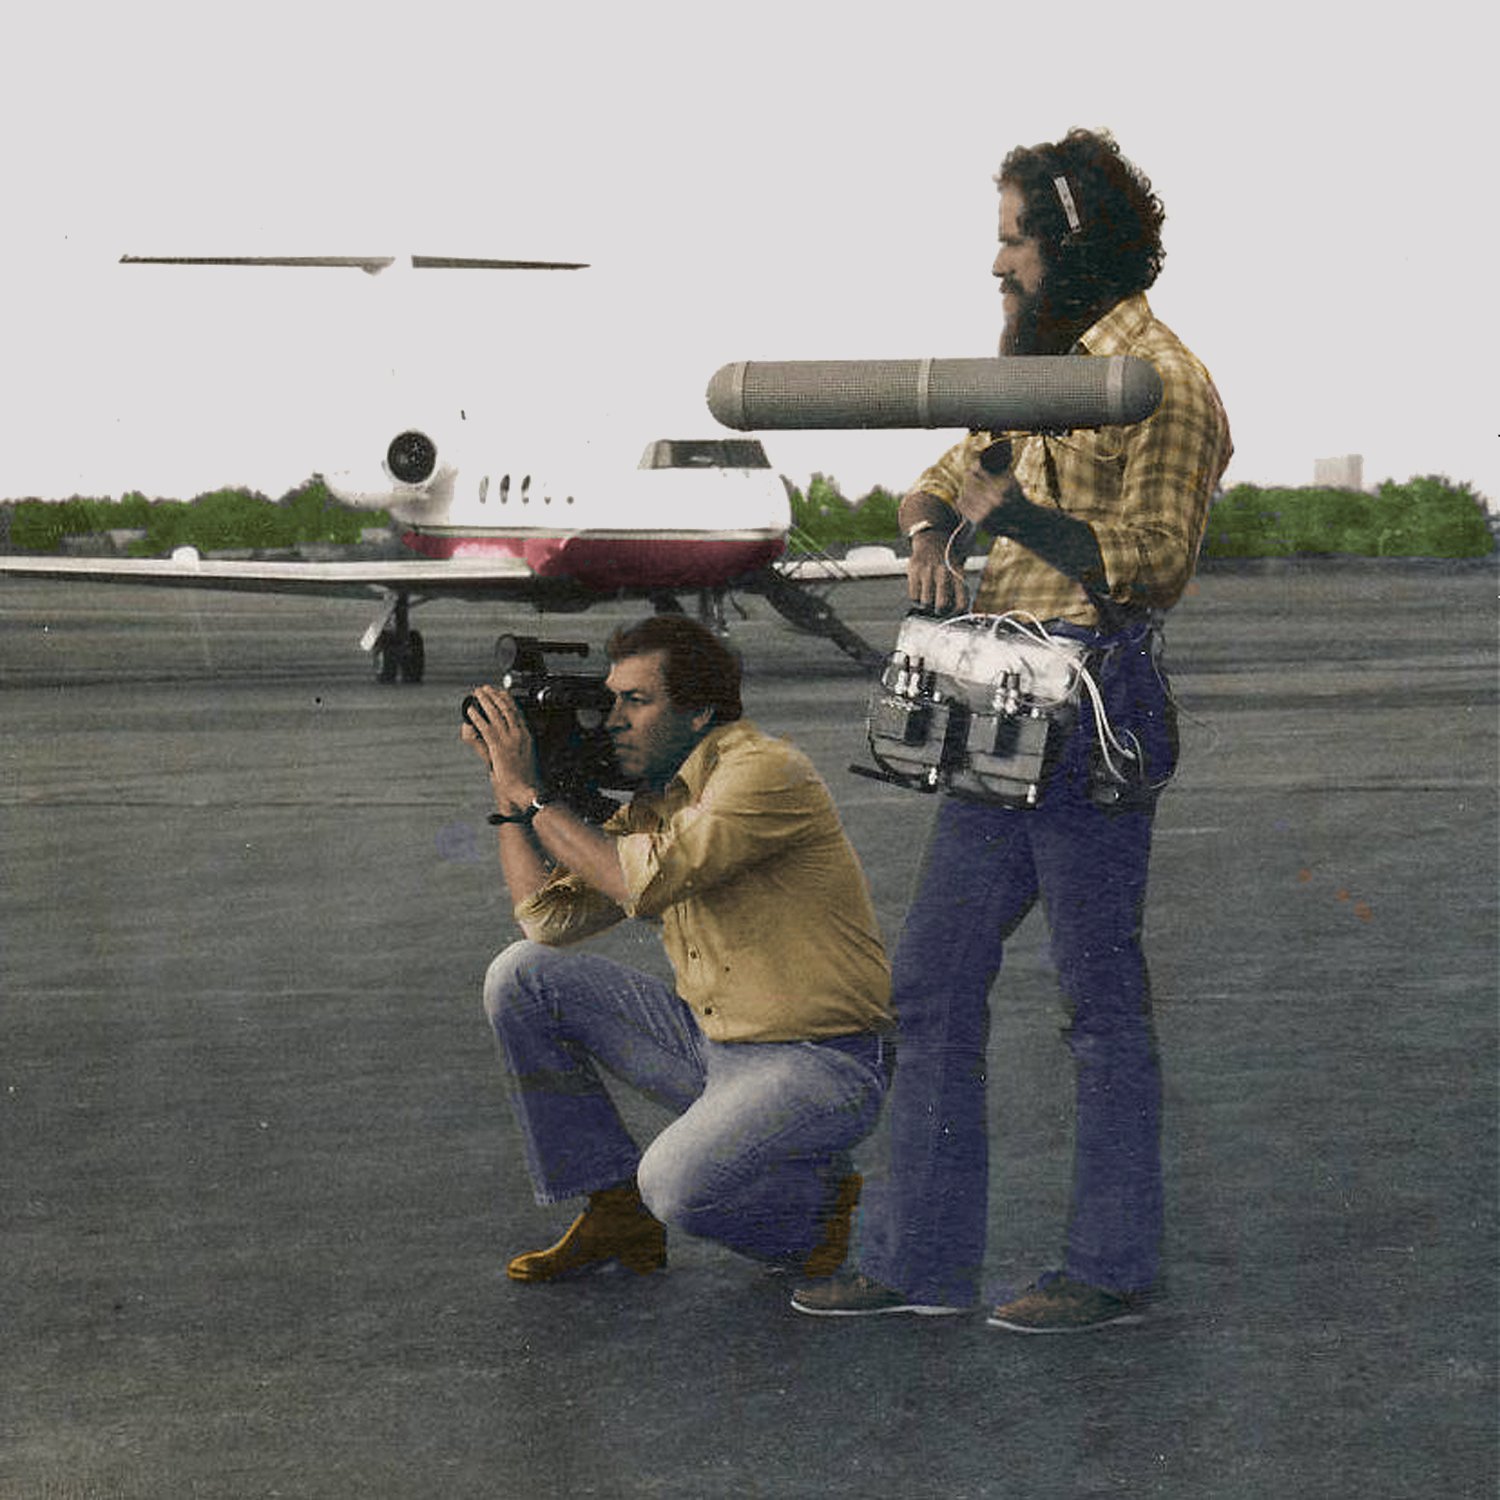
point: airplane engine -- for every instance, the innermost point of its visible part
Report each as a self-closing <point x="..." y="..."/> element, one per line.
<point x="412" y="457"/>
<point x="413" y="478"/>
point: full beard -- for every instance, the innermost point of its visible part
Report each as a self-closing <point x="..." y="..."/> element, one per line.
<point x="1020" y="333"/>
<point x="1037" y="326"/>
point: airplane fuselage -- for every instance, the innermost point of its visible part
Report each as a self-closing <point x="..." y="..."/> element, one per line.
<point x="696" y="514"/>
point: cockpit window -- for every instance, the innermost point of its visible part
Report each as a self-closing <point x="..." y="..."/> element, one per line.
<point x="705" y="453"/>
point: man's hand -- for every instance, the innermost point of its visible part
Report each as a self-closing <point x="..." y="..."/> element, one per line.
<point x="992" y="499"/>
<point x="989" y="487"/>
<point x="556" y="832"/>
<point x="934" y="573"/>
<point x="932" y="580"/>
<point x="504" y="742"/>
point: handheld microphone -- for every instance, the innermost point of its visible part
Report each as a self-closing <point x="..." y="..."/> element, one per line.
<point x="1014" y="393"/>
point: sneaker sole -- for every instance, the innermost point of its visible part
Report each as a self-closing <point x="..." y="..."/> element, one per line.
<point x="1125" y="1319"/>
<point x="921" y="1310"/>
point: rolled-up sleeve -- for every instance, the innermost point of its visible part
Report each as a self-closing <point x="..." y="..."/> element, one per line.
<point x="1149" y="532"/>
<point x="566" y="909"/>
<point x="945" y="478"/>
<point x="757" y="804"/>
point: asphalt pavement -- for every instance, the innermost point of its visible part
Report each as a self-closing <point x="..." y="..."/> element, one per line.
<point x="258" y="1177"/>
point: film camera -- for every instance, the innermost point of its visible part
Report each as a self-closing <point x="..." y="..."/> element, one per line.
<point x="977" y="706"/>
<point x="566" y="714"/>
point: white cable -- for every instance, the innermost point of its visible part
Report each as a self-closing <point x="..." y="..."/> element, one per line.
<point x="1028" y="625"/>
<point x="958" y="572"/>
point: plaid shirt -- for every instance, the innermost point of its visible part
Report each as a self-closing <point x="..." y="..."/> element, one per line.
<point x="1143" y="489"/>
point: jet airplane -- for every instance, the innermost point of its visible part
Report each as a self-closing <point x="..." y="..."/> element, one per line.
<point x="704" y="516"/>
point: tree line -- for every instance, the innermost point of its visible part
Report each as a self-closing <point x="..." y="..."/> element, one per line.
<point x="1428" y="516"/>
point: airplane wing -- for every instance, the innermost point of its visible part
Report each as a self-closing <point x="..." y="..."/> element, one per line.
<point x="490" y="576"/>
<point x="794" y="586"/>
<point x="858" y="562"/>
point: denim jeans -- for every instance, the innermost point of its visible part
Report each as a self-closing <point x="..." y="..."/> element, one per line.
<point x="923" y="1227"/>
<point x="763" y="1129"/>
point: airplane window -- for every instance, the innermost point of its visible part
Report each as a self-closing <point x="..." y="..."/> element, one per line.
<point x="505" y="489"/>
<point x="740" y="453"/>
<point x="732" y="453"/>
<point x="484" y="489"/>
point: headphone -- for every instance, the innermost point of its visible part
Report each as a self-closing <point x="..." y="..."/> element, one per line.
<point x="1069" y="206"/>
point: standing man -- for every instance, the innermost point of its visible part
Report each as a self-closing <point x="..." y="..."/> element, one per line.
<point x="770" y="1049"/>
<point x="1096" y="534"/>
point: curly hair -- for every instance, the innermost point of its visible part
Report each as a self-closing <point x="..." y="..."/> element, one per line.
<point x="700" y="670"/>
<point x="1115" y="249"/>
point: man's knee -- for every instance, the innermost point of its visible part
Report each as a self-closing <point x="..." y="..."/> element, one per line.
<point x="675" y="1190"/>
<point x="511" y="973"/>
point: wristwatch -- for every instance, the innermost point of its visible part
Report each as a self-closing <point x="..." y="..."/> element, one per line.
<point x="538" y="802"/>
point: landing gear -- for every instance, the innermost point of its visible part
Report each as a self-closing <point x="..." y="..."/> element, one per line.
<point x="710" y="607"/>
<point x="397" y="649"/>
<point x="711" y="611"/>
<point x="807" y="611"/>
<point x="394" y="659"/>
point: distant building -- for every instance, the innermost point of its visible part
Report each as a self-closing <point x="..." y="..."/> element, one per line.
<point x="1346" y="473"/>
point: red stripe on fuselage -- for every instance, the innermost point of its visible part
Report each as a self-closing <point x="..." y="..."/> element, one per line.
<point x="608" y="563"/>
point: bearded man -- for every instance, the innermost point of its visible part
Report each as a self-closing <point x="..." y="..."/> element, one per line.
<point x="1096" y="535"/>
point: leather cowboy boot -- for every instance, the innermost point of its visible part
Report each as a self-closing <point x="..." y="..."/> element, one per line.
<point x="615" y="1226"/>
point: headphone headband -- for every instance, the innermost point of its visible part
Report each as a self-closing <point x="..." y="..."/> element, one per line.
<point x="1069" y="207"/>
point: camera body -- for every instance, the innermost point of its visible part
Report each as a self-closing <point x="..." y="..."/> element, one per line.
<point x="566" y="714"/>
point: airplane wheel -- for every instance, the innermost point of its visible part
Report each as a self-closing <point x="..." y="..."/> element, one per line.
<point x="385" y="659"/>
<point x="414" y="658"/>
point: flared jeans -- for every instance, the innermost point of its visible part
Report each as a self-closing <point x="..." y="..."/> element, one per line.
<point x="762" y="1129"/>
<point x="986" y="866"/>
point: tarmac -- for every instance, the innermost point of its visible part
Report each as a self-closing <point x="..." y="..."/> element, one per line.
<point x="258" y="1176"/>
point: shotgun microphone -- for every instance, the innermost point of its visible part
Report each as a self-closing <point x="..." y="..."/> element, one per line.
<point x="1014" y="393"/>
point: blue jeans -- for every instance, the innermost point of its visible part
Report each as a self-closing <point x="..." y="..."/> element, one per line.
<point x="762" y="1130"/>
<point x="923" y="1227"/>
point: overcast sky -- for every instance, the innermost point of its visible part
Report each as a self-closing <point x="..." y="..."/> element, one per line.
<point x="754" y="181"/>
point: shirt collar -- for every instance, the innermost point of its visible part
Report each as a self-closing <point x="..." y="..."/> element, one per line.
<point x="1119" y="328"/>
<point x="694" y="772"/>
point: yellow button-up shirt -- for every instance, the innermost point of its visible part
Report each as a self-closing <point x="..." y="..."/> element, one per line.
<point x="1143" y="489"/>
<point x="764" y="909"/>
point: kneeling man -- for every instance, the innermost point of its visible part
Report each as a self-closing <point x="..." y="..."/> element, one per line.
<point x="770" y="1049"/>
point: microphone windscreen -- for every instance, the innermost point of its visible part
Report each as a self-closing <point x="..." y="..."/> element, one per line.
<point x="1013" y="393"/>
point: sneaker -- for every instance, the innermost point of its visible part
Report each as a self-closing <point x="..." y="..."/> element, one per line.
<point x="856" y="1296"/>
<point x="1058" y="1304"/>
